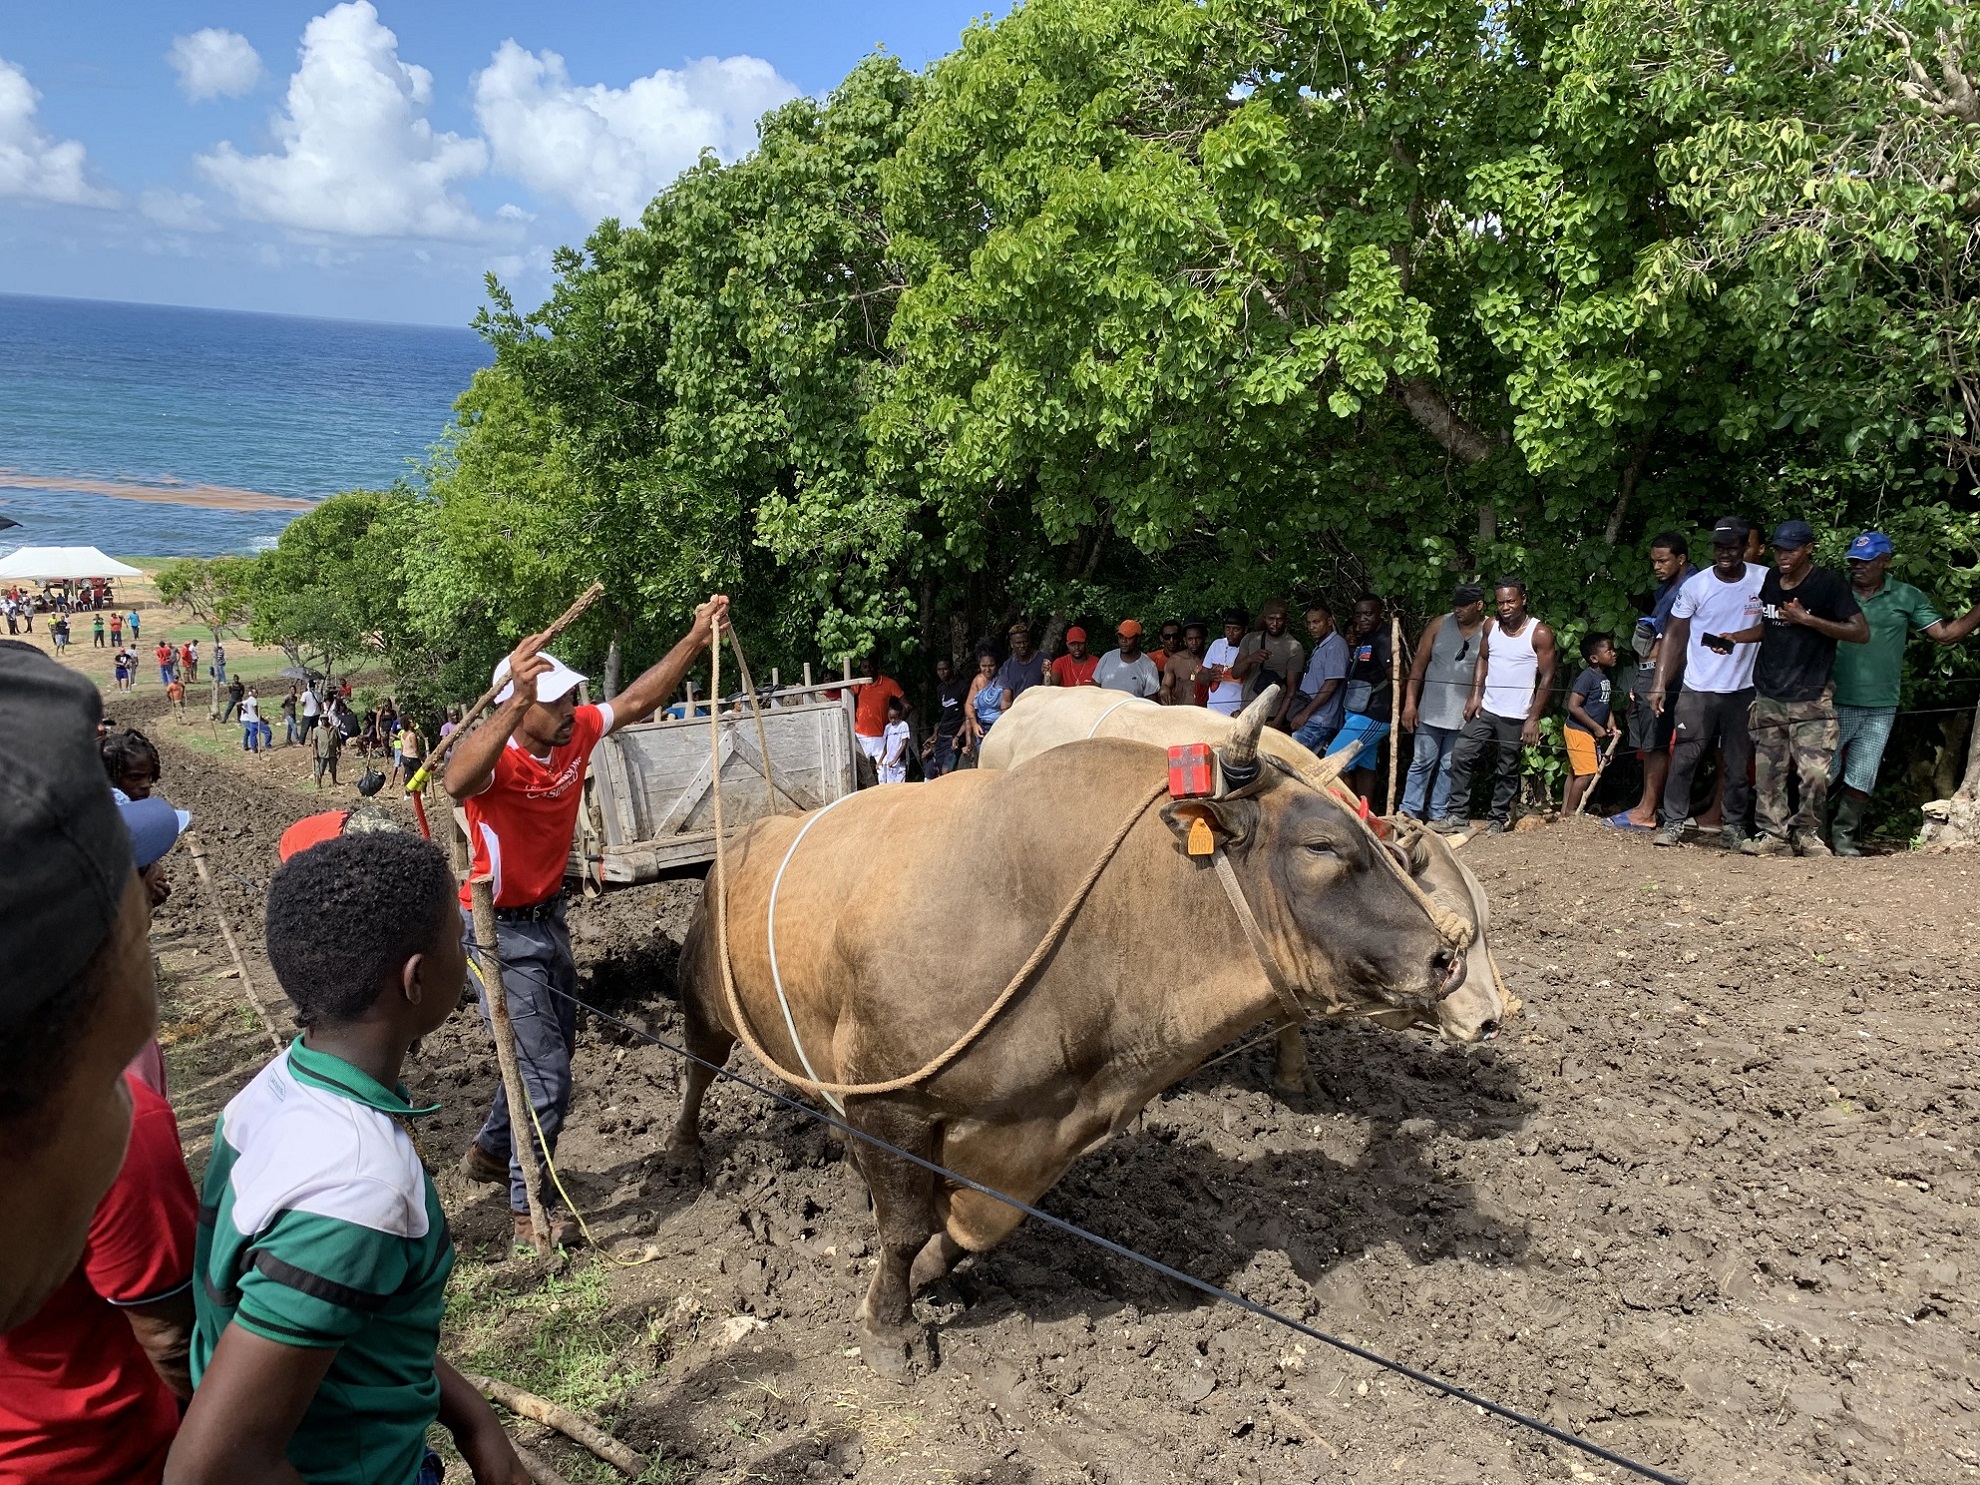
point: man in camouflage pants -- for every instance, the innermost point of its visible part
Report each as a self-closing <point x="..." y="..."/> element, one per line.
<point x="1805" y="611"/>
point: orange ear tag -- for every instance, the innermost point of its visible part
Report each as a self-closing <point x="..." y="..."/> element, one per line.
<point x="1201" y="841"/>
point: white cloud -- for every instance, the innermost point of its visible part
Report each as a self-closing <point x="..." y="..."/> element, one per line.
<point x="181" y="211"/>
<point x="215" y="64"/>
<point x="358" y="156"/>
<point x="37" y="165"/>
<point x="604" y="150"/>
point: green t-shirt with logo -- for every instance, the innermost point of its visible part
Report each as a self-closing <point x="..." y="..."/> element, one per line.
<point x="319" y="1227"/>
<point x="1871" y="674"/>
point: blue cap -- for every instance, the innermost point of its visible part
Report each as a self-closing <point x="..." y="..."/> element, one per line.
<point x="1869" y="547"/>
<point x="1794" y="534"/>
<point x="154" y="827"/>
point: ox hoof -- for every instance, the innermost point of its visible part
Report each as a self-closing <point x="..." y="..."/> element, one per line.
<point x="895" y="1351"/>
<point x="936" y="1258"/>
<point x="682" y="1160"/>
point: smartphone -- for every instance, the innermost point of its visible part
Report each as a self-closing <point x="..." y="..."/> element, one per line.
<point x="1718" y="644"/>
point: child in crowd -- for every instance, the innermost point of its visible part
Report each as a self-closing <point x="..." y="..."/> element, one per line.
<point x="894" y="743"/>
<point x="323" y="1253"/>
<point x="1589" y="717"/>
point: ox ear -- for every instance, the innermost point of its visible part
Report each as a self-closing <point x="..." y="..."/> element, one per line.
<point x="1227" y="823"/>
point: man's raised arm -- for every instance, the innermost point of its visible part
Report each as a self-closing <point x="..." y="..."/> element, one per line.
<point x="655" y="685"/>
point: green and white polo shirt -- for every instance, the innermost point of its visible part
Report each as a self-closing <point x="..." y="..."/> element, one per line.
<point x="319" y="1226"/>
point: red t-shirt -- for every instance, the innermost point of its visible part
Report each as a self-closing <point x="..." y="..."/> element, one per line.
<point x="1067" y="671"/>
<point x="79" y="1400"/>
<point x="870" y="705"/>
<point x="521" y="824"/>
<point x="164" y="654"/>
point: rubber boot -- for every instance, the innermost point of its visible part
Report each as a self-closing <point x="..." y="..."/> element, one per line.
<point x="1849" y="819"/>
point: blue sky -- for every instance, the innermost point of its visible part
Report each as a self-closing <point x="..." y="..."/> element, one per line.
<point x="371" y="159"/>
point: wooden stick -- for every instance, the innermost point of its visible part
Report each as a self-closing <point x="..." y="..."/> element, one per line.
<point x="1395" y="705"/>
<point x="197" y="848"/>
<point x="521" y="1126"/>
<point x="1595" y="783"/>
<point x="533" y="1464"/>
<point x="542" y="1410"/>
<point x="438" y="755"/>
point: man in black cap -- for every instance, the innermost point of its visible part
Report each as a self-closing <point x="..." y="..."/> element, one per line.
<point x="1717" y="691"/>
<point x="1805" y="612"/>
<point x="76" y="994"/>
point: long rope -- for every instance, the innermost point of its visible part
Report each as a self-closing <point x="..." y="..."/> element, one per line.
<point x="1154" y="1265"/>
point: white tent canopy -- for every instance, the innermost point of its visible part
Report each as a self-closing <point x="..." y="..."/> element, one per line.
<point x="52" y="564"/>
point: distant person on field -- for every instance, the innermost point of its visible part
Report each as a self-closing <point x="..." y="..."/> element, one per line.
<point x="1590" y="718"/>
<point x="412" y="749"/>
<point x="892" y="763"/>
<point x="59" y="632"/>
<point x="219" y="661"/>
<point x="328" y="741"/>
<point x="1515" y="674"/>
<point x="1076" y="667"/>
<point x="1181" y="671"/>
<point x="175" y="693"/>
<point x="1315" y="711"/>
<point x="292" y="730"/>
<point x="117" y="629"/>
<point x="76" y="998"/>
<point x="96" y="634"/>
<point x="1650" y="734"/>
<point x="1869" y="676"/>
<point x="135" y="631"/>
<point x="312" y="705"/>
<point x="236" y="694"/>
<point x="1125" y="668"/>
<point x="1717" y="692"/>
<point x="946" y="736"/>
<point x="250" y="715"/>
<point x="1805" y="613"/>
<point x="1270" y="657"/>
<point x="987" y="700"/>
<point x="166" y="663"/>
<point x="870" y="709"/>
<point x="1434" y="701"/>
<point x="323" y="1261"/>
<point x="1024" y="667"/>
<point x="1219" y="668"/>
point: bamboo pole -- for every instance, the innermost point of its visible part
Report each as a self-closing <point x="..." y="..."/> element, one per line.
<point x="542" y="1410"/>
<point x="197" y="848"/>
<point x="1395" y="706"/>
<point x="1595" y="783"/>
<point x="521" y="1125"/>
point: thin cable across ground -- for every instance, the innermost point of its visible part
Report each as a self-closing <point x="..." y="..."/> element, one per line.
<point x="1154" y="1265"/>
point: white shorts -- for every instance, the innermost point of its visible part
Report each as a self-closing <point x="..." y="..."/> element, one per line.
<point x="874" y="747"/>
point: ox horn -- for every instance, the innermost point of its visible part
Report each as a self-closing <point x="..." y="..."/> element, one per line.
<point x="1240" y="754"/>
<point x="1331" y="767"/>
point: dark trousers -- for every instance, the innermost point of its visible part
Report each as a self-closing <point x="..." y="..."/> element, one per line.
<point x="1706" y="718"/>
<point x="1501" y="736"/>
<point x="943" y="759"/>
<point x="536" y="962"/>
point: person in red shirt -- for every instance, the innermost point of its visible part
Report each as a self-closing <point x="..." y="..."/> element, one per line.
<point x="519" y="776"/>
<point x="90" y="1387"/>
<point x="870" y="709"/>
<point x="1075" y="667"/>
<point x="166" y="658"/>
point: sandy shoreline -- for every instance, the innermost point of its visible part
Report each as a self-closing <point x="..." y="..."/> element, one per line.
<point x="164" y="491"/>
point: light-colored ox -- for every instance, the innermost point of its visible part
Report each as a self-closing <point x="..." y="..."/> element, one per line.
<point x="902" y="914"/>
<point x="1051" y="716"/>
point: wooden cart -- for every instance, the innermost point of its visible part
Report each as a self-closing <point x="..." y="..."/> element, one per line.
<point x="649" y="803"/>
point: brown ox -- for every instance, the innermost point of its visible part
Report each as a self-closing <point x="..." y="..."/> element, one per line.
<point x="904" y="913"/>
<point x="1051" y="716"/>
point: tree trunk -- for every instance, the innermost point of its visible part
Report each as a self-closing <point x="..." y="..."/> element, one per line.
<point x="613" y="661"/>
<point x="1956" y="821"/>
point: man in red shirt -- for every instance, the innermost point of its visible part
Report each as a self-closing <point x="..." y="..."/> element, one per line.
<point x="519" y="776"/>
<point x="90" y="1387"/>
<point x="1075" y="667"/>
<point x="870" y="709"/>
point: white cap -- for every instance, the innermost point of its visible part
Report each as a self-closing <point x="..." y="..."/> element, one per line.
<point x="552" y="684"/>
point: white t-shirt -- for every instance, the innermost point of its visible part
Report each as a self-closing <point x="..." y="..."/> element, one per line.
<point x="1226" y="696"/>
<point x="310" y="705"/>
<point x="1137" y="677"/>
<point x="250" y="708"/>
<point x="1716" y="607"/>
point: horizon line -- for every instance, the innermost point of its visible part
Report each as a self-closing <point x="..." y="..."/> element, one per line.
<point x="215" y="309"/>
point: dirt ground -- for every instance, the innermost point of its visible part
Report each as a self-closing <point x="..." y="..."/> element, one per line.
<point x="1709" y="1201"/>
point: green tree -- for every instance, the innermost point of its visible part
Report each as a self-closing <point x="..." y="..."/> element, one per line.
<point x="331" y="589"/>
<point x="215" y="592"/>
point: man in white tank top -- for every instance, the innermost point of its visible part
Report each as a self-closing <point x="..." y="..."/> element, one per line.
<point x="1515" y="676"/>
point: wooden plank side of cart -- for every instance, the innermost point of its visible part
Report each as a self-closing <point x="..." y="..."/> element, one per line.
<point x="652" y="805"/>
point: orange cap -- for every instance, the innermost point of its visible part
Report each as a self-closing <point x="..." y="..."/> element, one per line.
<point x="1130" y="627"/>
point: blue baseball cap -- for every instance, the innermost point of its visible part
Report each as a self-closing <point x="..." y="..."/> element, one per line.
<point x="154" y="827"/>
<point x="1793" y="535"/>
<point x="1869" y="547"/>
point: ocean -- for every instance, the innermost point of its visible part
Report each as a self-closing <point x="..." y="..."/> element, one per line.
<point x="153" y="431"/>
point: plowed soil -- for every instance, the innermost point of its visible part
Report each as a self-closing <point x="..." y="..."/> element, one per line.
<point x="1709" y="1201"/>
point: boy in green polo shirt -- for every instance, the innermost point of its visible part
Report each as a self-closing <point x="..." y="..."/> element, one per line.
<point x="322" y="1255"/>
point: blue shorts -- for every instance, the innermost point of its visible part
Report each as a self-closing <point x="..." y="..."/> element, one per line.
<point x="1369" y="730"/>
<point x="1862" y="733"/>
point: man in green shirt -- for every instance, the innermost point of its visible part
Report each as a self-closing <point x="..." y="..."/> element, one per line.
<point x="1868" y="676"/>
<point x="322" y="1255"/>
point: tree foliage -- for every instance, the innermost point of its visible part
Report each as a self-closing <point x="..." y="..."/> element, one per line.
<point x="1143" y="306"/>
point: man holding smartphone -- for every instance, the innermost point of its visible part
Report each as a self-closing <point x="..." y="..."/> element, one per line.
<point x="1717" y="691"/>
